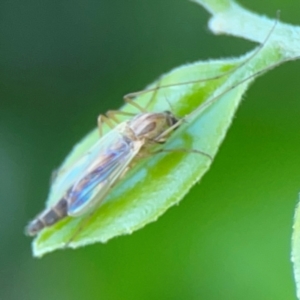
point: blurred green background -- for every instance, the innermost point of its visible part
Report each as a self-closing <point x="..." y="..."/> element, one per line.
<point x="61" y="64"/>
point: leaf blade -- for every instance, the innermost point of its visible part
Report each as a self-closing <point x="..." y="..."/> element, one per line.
<point x="161" y="181"/>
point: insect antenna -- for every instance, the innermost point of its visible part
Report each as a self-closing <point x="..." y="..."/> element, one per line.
<point x="111" y="116"/>
<point x="209" y="102"/>
<point x="235" y="68"/>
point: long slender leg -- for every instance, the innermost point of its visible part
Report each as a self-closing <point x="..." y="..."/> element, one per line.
<point x="232" y="70"/>
<point x="153" y="94"/>
<point x="102" y="119"/>
<point x="111" y="114"/>
<point x="184" y="150"/>
<point x="129" y="98"/>
<point x="110" y="117"/>
<point x="80" y="228"/>
<point x="162" y="141"/>
<point x="136" y="105"/>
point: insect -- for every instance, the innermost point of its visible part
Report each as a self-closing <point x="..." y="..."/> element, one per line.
<point x="88" y="181"/>
<point x="104" y="165"/>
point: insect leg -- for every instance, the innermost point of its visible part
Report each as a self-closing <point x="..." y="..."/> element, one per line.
<point x="129" y="98"/>
<point x="163" y="140"/>
<point x="133" y="103"/>
<point x="111" y="114"/>
<point x="101" y="120"/>
<point x="110" y="117"/>
<point x="184" y="150"/>
<point x="79" y="229"/>
<point x="232" y="70"/>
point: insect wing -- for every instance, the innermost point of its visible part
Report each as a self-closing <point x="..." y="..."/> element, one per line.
<point x="102" y="173"/>
<point x="67" y="177"/>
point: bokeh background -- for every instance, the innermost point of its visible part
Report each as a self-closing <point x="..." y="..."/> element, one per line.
<point x="64" y="62"/>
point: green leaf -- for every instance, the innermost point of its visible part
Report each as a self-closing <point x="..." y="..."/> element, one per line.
<point x="162" y="180"/>
<point x="228" y="17"/>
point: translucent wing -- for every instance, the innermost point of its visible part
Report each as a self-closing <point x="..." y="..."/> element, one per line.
<point x="66" y="178"/>
<point x="101" y="173"/>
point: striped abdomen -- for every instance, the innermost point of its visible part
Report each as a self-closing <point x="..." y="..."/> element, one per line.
<point x="48" y="217"/>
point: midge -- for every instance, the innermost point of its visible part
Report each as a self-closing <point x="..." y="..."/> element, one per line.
<point x="95" y="173"/>
<point x="88" y="181"/>
<point x="107" y="162"/>
<point x="104" y="164"/>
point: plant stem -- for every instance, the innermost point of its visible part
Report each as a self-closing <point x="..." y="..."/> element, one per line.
<point x="230" y="18"/>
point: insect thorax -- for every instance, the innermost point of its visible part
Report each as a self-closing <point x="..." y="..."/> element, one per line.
<point x="151" y="125"/>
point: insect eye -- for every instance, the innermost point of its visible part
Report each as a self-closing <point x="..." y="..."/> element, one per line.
<point x="171" y="118"/>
